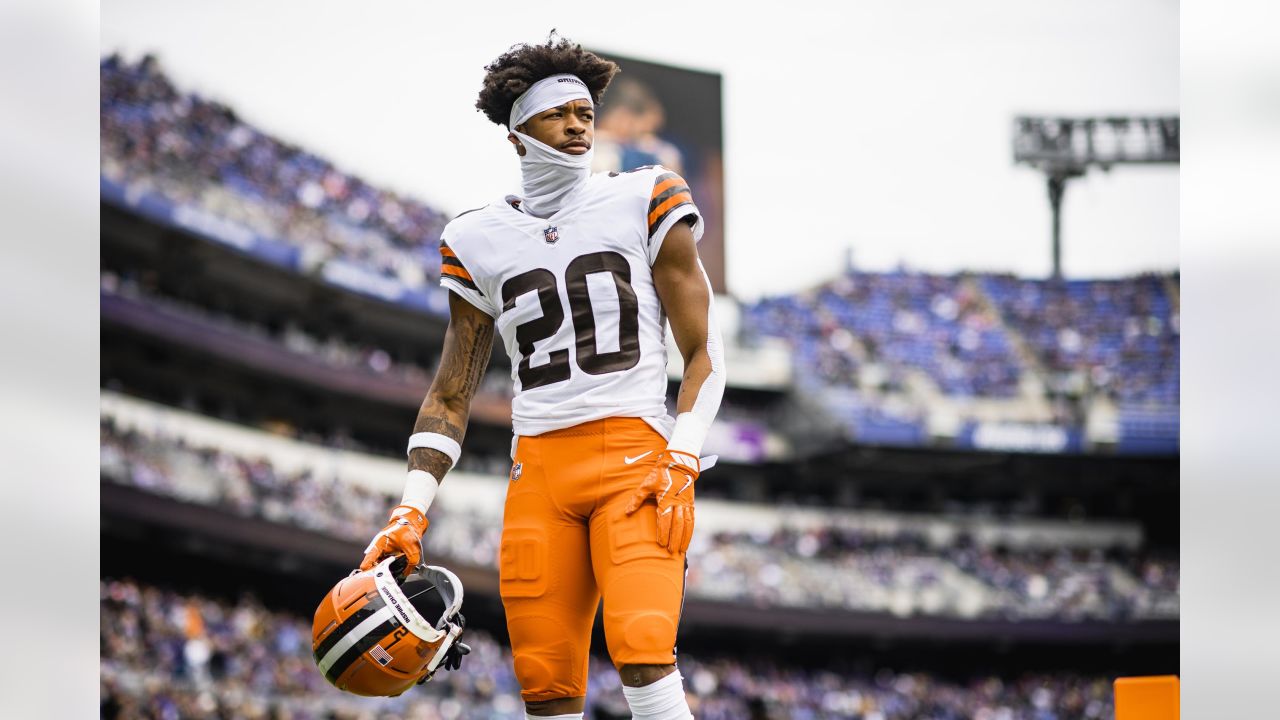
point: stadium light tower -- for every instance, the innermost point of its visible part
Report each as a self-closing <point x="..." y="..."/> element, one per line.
<point x="1064" y="148"/>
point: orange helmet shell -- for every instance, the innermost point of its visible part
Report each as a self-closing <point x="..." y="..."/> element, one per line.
<point x="369" y="639"/>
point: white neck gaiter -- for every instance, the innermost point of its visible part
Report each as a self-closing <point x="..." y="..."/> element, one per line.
<point x="548" y="175"/>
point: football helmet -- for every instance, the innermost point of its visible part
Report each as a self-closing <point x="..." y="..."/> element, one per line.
<point x="370" y="635"/>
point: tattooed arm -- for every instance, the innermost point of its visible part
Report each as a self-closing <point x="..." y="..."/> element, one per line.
<point x="467" y="345"/>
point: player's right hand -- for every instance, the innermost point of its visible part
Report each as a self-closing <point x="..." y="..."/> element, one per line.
<point x="670" y="484"/>
<point x="401" y="536"/>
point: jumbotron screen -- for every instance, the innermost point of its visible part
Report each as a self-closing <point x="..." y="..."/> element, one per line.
<point x="656" y="114"/>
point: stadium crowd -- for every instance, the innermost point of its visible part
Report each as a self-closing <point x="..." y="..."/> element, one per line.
<point x="937" y="324"/>
<point x="199" y="154"/>
<point x="832" y="568"/>
<point x="167" y="655"/>
<point x="1118" y="337"/>
<point x="857" y="337"/>
<point x="902" y="574"/>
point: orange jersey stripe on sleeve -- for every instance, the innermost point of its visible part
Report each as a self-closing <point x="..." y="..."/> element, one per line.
<point x="671" y="180"/>
<point x="657" y="214"/>
<point x="451" y="268"/>
<point x="669" y="192"/>
<point x="456" y="271"/>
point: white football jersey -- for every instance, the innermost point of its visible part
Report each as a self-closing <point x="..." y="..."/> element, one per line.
<point x="573" y="297"/>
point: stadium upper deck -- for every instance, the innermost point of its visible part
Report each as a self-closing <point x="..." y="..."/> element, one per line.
<point x="893" y="354"/>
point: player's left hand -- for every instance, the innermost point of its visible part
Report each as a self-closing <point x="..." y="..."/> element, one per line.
<point x="670" y="484"/>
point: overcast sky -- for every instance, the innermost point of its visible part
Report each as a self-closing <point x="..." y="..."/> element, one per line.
<point x="881" y="126"/>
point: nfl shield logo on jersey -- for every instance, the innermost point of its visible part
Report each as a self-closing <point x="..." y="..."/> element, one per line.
<point x="551" y="234"/>
<point x="516" y="471"/>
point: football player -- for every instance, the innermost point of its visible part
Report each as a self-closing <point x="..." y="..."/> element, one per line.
<point x="578" y="274"/>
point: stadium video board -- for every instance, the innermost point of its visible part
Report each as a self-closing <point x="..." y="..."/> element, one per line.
<point x="659" y="114"/>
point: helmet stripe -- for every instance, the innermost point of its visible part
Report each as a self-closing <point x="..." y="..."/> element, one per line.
<point x="374" y="604"/>
<point x="353" y="638"/>
<point x="367" y="641"/>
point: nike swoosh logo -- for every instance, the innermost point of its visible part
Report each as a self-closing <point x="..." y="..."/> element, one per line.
<point x="629" y="460"/>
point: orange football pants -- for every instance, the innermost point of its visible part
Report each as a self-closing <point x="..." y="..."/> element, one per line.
<point x="566" y="542"/>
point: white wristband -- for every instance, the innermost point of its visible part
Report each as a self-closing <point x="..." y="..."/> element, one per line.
<point x="688" y="434"/>
<point x="436" y="441"/>
<point x="419" y="490"/>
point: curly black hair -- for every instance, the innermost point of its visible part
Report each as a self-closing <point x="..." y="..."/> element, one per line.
<point x="516" y="70"/>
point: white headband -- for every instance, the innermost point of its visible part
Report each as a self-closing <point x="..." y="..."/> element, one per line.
<point x="545" y="94"/>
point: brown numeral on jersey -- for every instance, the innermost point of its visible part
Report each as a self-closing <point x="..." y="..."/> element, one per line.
<point x="584" y="322"/>
<point x="557" y="370"/>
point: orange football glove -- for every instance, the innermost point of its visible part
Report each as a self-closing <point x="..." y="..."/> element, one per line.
<point x="670" y="484"/>
<point x="401" y="536"/>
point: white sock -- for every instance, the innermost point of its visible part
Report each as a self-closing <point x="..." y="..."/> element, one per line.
<point x="661" y="700"/>
<point x="570" y="716"/>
